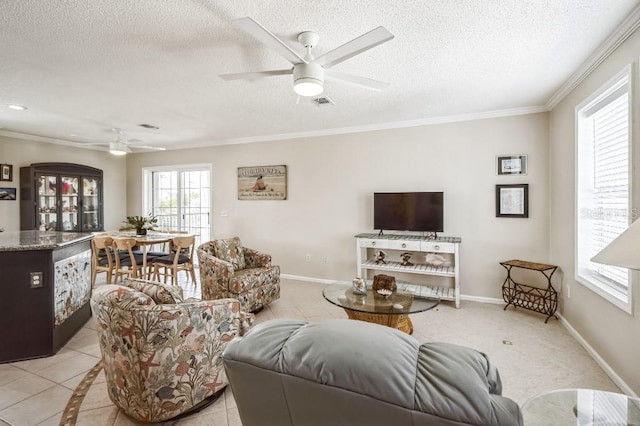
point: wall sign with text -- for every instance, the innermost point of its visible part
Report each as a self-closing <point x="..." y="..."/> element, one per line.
<point x="262" y="183"/>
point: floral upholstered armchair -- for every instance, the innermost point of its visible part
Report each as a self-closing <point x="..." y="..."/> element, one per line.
<point x="227" y="269"/>
<point x="161" y="354"/>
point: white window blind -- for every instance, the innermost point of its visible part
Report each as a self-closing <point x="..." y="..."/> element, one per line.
<point x="604" y="187"/>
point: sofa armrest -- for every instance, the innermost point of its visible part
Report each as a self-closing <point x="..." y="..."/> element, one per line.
<point x="214" y="270"/>
<point x="255" y="259"/>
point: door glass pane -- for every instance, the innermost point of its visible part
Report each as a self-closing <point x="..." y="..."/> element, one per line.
<point x="195" y="205"/>
<point x="165" y="200"/>
<point x="69" y="203"/>
<point x="90" y="207"/>
<point x="47" y="203"/>
<point x="181" y="201"/>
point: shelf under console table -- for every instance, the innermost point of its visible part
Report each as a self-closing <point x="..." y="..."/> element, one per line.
<point x="543" y="300"/>
<point x="445" y="246"/>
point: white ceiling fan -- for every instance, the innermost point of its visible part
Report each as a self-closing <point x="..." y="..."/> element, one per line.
<point x="122" y="146"/>
<point x="308" y="72"/>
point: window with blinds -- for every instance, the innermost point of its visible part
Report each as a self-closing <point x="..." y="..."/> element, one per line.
<point x="603" y="176"/>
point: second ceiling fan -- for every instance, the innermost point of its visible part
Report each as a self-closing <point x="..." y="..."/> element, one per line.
<point x="308" y="72"/>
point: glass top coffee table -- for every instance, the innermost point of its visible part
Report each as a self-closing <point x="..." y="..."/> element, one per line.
<point x="392" y="311"/>
<point x="581" y="407"/>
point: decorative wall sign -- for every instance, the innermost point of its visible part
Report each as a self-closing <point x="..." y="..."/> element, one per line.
<point x="7" y="193"/>
<point x="262" y="183"/>
<point x="511" y="164"/>
<point x="6" y="172"/>
<point x="512" y="200"/>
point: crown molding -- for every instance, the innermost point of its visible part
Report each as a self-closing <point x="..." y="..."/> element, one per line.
<point x="622" y="32"/>
<point x="314" y="133"/>
<point x="36" y="138"/>
<point x="371" y="127"/>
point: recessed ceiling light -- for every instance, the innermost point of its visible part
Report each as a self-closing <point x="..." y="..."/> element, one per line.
<point x="73" y="135"/>
<point x="17" y="107"/>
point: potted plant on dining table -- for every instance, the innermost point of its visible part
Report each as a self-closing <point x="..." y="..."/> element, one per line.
<point x="141" y="224"/>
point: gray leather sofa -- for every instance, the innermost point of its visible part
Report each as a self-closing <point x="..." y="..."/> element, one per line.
<point x="345" y="372"/>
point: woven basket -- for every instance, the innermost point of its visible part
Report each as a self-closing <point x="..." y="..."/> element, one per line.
<point x="384" y="281"/>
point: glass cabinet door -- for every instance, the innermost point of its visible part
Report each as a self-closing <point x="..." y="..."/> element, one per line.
<point x="90" y="204"/>
<point x="69" y="203"/>
<point x="47" y="205"/>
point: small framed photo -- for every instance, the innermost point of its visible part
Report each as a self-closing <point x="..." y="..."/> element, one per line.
<point x="6" y="172"/>
<point x="512" y="200"/>
<point x="7" y="194"/>
<point x="511" y="164"/>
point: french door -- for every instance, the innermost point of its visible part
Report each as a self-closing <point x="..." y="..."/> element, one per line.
<point x="180" y="196"/>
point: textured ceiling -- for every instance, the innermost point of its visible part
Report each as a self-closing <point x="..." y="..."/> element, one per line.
<point x="83" y="67"/>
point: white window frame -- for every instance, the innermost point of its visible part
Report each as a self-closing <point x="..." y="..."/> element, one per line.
<point x="600" y="286"/>
<point x="147" y="184"/>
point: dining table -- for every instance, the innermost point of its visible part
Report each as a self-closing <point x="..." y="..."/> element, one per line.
<point x="144" y="242"/>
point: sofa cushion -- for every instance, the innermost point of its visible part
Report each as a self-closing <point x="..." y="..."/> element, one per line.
<point x="160" y="293"/>
<point x="231" y="250"/>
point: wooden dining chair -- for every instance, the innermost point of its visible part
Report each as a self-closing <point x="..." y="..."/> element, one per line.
<point x="127" y="262"/>
<point x="164" y="248"/>
<point x="102" y="259"/>
<point x="180" y="259"/>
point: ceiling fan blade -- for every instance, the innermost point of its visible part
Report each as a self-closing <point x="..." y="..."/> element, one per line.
<point x="268" y="38"/>
<point x="91" y="143"/>
<point x="255" y="75"/>
<point x="355" y="80"/>
<point x="152" y="148"/>
<point x="354" y="47"/>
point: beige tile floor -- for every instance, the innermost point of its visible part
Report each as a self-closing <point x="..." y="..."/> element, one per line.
<point x="532" y="357"/>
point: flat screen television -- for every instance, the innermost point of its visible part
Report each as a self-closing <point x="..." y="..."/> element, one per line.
<point x="408" y="211"/>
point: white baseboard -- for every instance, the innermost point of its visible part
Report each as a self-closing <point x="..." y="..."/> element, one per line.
<point x="597" y="358"/>
<point x="308" y="279"/>
<point x="481" y="299"/>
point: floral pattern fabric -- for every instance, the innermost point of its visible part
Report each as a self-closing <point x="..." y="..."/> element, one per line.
<point x="254" y="287"/>
<point x="162" y="293"/>
<point x="230" y="250"/>
<point x="161" y="359"/>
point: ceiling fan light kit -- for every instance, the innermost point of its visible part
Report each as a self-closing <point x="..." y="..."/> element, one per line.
<point x="118" y="148"/>
<point x="308" y="79"/>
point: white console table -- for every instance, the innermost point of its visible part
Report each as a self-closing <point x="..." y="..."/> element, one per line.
<point x="448" y="247"/>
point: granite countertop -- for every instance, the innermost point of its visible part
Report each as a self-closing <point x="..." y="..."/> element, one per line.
<point x="39" y="240"/>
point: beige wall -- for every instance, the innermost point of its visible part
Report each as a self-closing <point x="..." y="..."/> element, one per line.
<point x="331" y="181"/>
<point x="614" y="334"/>
<point x="20" y="153"/>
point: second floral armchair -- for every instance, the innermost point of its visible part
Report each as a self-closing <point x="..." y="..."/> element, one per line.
<point x="227" y="269"/>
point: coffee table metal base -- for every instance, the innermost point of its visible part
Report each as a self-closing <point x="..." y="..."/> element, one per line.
<point x="400" y="322"/>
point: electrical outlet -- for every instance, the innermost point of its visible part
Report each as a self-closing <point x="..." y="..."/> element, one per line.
<point x="307" y="258"/>
<point x="568" y="292"/>
<point x="325" y="260"/>
<point x="35" y="279"/>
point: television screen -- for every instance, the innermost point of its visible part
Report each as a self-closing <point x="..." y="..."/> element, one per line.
<point x="408" y="211"/>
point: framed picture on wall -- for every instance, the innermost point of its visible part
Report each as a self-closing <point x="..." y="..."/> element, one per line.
<point x="6" y="172"/>
<point x="512" y="200"/>
<point x="7" y="194"/>
<point x="511" y="164"/>
<point x="262" y="183"/>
